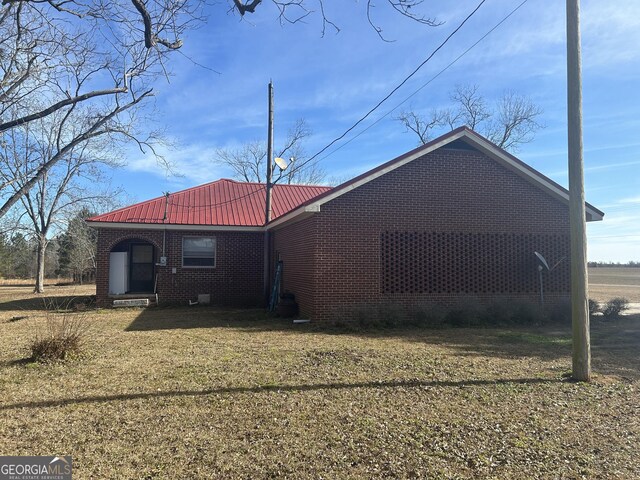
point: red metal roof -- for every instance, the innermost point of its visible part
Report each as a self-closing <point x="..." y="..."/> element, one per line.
<point x="223" y="202"/>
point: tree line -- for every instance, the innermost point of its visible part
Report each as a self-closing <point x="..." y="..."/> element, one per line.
<point x="70" y="255"/>
<point x="632" y="263"/>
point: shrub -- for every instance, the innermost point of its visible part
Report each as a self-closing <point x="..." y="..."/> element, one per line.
<point x="430" y="316"/>
<point x="594" y="306"/>
<point x="615" y="307"/>
<point x="527" y="313"/>
<point x="365" y="316"/>
<point x="497" y="313"/>
<point x="467" y="313"/>
<point x="61" y="337"/>
<point x="391" y="316"/>
<point x="561" y="313"/>
<point x="512" y="312"/>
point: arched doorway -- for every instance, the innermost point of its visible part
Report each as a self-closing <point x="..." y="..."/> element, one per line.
<point x="132" y="267"/>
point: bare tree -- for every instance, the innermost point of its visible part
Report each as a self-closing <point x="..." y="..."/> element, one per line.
<point x="44" y="41"/>
<point x="98" y="58"/>
<point x="293" y="11"/>
<point x="73" y="181"/>
<point x="513" y="121"/>
<point x="105" y="56"/>
<point x="421" y="126"/>
<point x="248" y="162"/>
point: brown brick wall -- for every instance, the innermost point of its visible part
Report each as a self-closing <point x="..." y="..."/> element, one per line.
<point x="236" y="279"/>
<point x="459" y="193"/>
<point x="295" y="245"/>
<point x="451" y="225"/>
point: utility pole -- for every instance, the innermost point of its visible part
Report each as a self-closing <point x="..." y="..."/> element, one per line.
<point x="577" y="220"/>
<point x="267" y="217"/>
<point x="267" y="212"/>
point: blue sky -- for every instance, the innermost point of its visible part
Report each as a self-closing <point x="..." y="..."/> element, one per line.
<point x="331" y="81"/>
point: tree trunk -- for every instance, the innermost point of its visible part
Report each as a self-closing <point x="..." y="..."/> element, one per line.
<point x="42" y="250"/>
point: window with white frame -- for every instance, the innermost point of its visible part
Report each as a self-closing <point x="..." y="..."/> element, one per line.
<point x="198" y="252"/>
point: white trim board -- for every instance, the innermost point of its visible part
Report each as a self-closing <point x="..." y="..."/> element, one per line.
<point x="160" y="226"/>
<point x="486" y="147"/>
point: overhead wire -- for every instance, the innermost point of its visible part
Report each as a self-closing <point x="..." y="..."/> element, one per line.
<point x="397" y="87"/>
<point x="394" y="90"/>
<point x="428" y="82"/>
<point x="214" y="205"/>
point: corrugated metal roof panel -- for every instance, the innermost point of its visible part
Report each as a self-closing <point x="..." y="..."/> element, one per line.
<point x="223" y="202"/>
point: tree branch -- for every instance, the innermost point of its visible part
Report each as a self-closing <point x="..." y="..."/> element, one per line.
<point x="248" y="7"/>
<point x="57" y="106"/>
<point x="151" y="39"/>
<point x="91" y="132"/>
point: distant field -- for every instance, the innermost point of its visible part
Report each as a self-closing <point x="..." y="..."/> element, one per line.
<point x="31" y="281"/>
<point x="606" y="283"/>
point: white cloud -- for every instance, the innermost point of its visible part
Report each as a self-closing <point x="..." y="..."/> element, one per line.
<point x="193" y="164"/>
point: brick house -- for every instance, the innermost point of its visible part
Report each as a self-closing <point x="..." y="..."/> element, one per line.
<point x="457" y="217"/>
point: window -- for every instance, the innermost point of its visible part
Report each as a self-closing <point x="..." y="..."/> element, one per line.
<point x="198" y="252"/>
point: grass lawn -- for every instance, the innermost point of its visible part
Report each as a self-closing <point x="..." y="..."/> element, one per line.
<point x="206" y="393"/>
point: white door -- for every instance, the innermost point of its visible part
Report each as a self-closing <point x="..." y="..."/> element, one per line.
<point x="118" y="273"/>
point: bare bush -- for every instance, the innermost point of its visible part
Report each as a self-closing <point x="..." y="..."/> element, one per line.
<point x="63" y="334"/>
<point x="614" y="307"/>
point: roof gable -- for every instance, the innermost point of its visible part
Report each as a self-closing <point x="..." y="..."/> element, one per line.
<point x="460" y="138"/>
<point x="224" y="203"/>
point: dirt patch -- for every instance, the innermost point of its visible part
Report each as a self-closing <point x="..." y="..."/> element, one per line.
<point x="608" y="282"/>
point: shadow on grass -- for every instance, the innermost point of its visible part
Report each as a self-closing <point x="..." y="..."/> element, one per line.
<point x="276" y="388"/>
<point x="170" y="318"/>
<point x="43" y="303"/>
<point x="615" y="343"/>
<point x="17" y="362"/>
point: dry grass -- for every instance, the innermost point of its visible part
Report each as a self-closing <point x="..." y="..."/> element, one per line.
<point x="205" y="393"/>
<point x="607" y="282"/>
<point x="26" y="282"/>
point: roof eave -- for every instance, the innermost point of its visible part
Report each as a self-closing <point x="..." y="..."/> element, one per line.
<point x="314" y="205"/>
<point x="528" y="173"/>
<point x="174" y="226"/>
<point x="505" y="158"/>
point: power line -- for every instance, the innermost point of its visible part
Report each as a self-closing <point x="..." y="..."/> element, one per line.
<point x="214" y="205"/>
<point x="397" y="87"/>
<point x="428" y="82"/>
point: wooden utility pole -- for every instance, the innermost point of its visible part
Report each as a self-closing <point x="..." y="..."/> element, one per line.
<point x="267" y="217"/>
<point x="577" y="217"/>
<point x="267" y="211"/>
